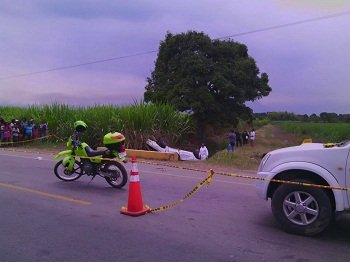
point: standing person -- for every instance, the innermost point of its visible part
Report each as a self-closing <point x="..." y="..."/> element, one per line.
<point x="29" y="130"/>
<point x="2" y="126"/>
<point x="21" y="131"/>
<point x="15" y="133"/>
<point x="43" y="129"/>
<point x="238" y="139"/>
<point x="12" y="124"/>
<point x="203" y="152"/>
<point x="24" y="124"/>
<point x="35" y="132"/>
<point x="7" y="133"/>
<point x="252" y="137"/>
<point x="245" y="137"/>
<point x="232" y="141"/>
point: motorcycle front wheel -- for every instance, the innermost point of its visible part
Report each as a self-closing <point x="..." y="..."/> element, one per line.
<point x="62" y="173"/>
<point x="116" y="174"/>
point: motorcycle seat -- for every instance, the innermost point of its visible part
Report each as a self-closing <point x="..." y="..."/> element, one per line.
<point x="91" y="153"/>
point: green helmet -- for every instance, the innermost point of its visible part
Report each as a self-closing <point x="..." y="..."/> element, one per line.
<point x="80" y="126"/>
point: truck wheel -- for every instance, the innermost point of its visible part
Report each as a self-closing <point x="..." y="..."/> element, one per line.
<point x="302" y="210"/>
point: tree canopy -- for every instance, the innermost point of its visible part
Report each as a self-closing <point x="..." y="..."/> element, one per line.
<point x="213" y="78"/>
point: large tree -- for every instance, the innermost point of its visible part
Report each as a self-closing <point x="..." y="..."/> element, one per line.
<point x="214" y="78"/>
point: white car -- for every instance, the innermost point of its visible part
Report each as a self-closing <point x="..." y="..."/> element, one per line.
<point x="301" y="209"/>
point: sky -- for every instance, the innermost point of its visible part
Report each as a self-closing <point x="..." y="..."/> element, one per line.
<point x="308" y="63"/>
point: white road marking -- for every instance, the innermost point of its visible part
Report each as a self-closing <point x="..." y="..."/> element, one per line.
<point x="50" y="195"/>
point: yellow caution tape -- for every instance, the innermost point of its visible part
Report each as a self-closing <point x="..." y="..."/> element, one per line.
<point x="307" y="140"/>
<point x="219" y="173"/>
<point x="25" y="141"/>
<point x="284" y="181"/>
<point x="209" y="178"/>
<point x="206" y="181"/>
<point x="251" y="177"/>
<point x="327" y="145"/>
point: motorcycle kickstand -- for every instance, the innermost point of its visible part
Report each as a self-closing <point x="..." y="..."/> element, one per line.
<point x="92" y="178"/>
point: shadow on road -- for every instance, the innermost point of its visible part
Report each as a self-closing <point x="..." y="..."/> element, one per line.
<point x="338" y="230"/>
<point x="86" y="187"/>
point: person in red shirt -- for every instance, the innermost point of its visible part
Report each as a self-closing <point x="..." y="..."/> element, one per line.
<point x="7" y="132"/>
<point x="35" y="132"/>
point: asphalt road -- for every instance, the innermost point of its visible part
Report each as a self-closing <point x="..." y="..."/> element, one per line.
<point x="45" y="219"/>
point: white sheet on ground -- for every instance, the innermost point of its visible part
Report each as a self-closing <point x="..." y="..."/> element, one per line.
<point x="154" y="145"/>
<point x="183" y="154"/>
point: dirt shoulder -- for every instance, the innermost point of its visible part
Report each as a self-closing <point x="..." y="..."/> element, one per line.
<point x="268" y="138"/>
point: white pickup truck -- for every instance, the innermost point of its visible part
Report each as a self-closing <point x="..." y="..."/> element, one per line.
<point x="301" y="209"/>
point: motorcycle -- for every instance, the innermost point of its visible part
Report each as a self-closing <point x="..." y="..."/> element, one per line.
<point x="82" y="160"/>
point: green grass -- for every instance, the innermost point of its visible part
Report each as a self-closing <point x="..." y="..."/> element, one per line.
<point x="137" y="122"/>
<point x="319" y="132"/>
<point x="279" y="135"/>
<point x="245" y="158"/>
<point x="268" y="137"/>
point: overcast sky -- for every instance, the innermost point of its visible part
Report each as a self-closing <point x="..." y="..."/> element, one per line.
<point x="308" y="64"/>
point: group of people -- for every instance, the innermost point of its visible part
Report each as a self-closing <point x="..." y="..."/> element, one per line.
<point x="239" y="139"/>
<point x="235" y="139"/>
<point x="20" y="130"/>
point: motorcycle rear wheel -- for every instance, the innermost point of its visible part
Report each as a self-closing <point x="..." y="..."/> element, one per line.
<point x="117" y="174"/>
<point x="62" y="173"/>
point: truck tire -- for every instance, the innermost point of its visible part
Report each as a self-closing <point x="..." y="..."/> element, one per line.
<point x="302" y="210"/>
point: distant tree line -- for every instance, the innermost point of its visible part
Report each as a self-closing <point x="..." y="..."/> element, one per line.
<point x="287" y="116"/>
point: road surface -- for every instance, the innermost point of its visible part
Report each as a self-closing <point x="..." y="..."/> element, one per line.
<point x="45" y="219"/>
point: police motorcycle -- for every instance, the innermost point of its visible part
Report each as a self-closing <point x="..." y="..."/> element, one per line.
<point x="80" y="159"/>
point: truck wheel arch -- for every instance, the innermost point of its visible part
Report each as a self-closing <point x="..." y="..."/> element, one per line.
<point x="313" y="173"/>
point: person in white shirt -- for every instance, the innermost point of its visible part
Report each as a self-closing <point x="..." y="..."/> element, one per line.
<point x="15" y="133"/>
<point x="252" y="137"/>
<point x="203" y="152"/>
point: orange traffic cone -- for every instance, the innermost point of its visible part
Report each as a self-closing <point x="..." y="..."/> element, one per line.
<point x="135" y="205"/>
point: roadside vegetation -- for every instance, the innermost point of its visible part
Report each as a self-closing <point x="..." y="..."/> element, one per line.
<point x="268" y="137"/>
<point x="141" y="121"/>
<point x="137" y="122"/>
<point x="319" y="132"/>
<point x="272" y="135"/>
